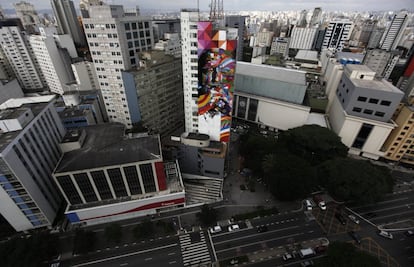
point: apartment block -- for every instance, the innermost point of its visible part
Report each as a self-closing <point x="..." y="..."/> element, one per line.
<point x="30" y="133"/>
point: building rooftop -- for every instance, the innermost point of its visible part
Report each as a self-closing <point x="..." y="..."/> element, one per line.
<point x="307" y="55"/>
<point x="272" y="82"/>
<point x="106" y="145"/>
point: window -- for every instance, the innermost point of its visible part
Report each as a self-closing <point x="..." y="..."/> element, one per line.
<point x="362" y="98"/>
<point x="134" y="25"/>
<point x="132" y="178"/>
<point x="368" y="111"/>
<point x="85" y="187"/>
<point x="379" y="114"/>
<point x="385" y="102"/>
<point x="101" y="184"/>
<point x="69" y="189"/>
<point x="127" y="26"/>
<point x="147" y="177"/>
<point x="117" y="182"/>
<point x="356" y="109"/>
<point x="373" y="101"/>
<point x="128" y="35"/>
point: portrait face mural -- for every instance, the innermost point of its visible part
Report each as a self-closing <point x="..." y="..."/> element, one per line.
<point x="216" y="69"/>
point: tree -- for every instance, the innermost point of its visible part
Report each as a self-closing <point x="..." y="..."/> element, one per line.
<point x="355" y="180"/>
<point x="207" y="216"/>
<point x="313" y="143"/>
<point x="84" y="241"/>
<point x="113" y="232"/>
<point x="31" y="251"/>
<point x="341" y="254"/>
<point x="144" y="229"/>
<point x="290" y="177"/>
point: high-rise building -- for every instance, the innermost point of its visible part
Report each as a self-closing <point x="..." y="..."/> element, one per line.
<point x="381" y="61"/>
<point x="280" y="46"/>
<point x="54" y="61"/>
<point x="28" y="16"/>
<point x="114" y="41"/>
<point x="302" y="19"/>
<point x="394" y="32"/>
<point x="30" y="135"/>
<point x="208" y="53"/>
<point x="302" y="38"/>
<point x="159" y="86"/>
<point x="85" y="75"/>
<point x="18" y="51"/>
<point x="375" y="37"/>
<point x="238" y="21"/>
<point x="362" y="109"/>
<point x="316" y="17"/>
<point x="85" y="4"/>
<point x="337" y="34"/>
<point x="367" y="28"/>
<point x="67" y="21"/>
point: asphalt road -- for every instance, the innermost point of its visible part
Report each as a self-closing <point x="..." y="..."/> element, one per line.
<point x="283" y="231"/>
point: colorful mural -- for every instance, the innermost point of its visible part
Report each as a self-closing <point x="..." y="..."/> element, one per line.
<point x="216" y="67"/>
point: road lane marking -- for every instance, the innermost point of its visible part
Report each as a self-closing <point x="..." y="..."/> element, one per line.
<point x="172" y="262"/>
<point x="172" y="253"/>
<point x="259" y="242"/>
<point x="123" y="264"/>
<point x="124" y="255"/>
<point x="148" y="259"/>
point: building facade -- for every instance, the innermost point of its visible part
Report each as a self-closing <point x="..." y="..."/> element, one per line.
<point x="208" y="53"/>
<point x="394" y="31"/>
<point x="54" y="61"/>
<point x="337" y="34"/>
<point x="67" y="21"/>
<point x="27" y="14"/>
<point x="362" y="110"/>
<point x="160" y="92"/>
<point x="16" y="48"/>
<point x="30" y="135"/>
<point x="134" y="181"/>
<point x="114" y="41"/>
<point x="302" y="38"/>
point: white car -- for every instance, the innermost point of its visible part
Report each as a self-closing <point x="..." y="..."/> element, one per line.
<point x="215" y="229"/>
<point x="233" y="227"/>
<point x="385" y="234"/>
<point x="322" y="205"/>
<point x="287" y="256"/>
<point x="353" y="218"/>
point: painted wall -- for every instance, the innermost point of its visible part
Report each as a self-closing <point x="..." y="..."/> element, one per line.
<point x="216" y="68"/>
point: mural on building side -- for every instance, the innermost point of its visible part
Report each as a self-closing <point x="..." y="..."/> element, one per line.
<point x="216" y="69"/>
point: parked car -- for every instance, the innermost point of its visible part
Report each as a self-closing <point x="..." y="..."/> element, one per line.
<point x="320" y="202"/>
<point x="215" y="229"/>
<point x="307" y="203"/>
<point x="385" y="234"/>
<point x="353" y="218"/>
<point x="262" y="228"/>
<point x="409" y="233"/>
<point x="306" y="263"/>
<point x="288" y="256"/>
<point x="355" y="236"/>
<point x="340" y="218"/>
<point x="233" y="227"/>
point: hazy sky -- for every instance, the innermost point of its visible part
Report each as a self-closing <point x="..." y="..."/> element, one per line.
<point x="235" y="5"/>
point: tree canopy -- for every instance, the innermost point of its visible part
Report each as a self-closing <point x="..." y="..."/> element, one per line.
<point x="355" y="180"/>
<point x="313" y="143"/>
<point x="113" y="232"/>
<point x="289" y="177"/>
<point x="32" y="251"/>
<point x="207" y="216"/>
<point x="341" y="254"/>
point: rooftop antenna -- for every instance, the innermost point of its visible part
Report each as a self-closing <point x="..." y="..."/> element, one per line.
<point x="216" y="10"/>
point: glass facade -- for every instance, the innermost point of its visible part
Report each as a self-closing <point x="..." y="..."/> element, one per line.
<point x="132" y="178"/>
<point x="70" y="190"/>
<point x="115" y="176"/>
<point x="101" y="184"/>
<point x="147" y="177"/>
<point x="85" y="187"/>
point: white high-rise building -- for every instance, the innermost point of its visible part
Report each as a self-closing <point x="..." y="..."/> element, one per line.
<point x="114" y="40"/>
<point x="189" y="20"/>
<point x="337" y="33"/>
<point x="19" y="54"/>
<point x="302" y="38"/>
<point x="27" y="14"/>
<point x="394" y="32"/>
<point x="30" y="134"/>
<point x="208" y="52"/>
<point x="53" y="60"/>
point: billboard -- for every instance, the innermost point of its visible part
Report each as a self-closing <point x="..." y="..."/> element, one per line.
<point x="216" y="69"/>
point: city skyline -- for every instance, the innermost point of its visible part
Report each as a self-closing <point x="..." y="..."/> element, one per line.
<point x="242" y="5"/>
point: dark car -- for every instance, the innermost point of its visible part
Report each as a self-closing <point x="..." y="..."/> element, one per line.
<point x="409" y="233"/>
<point x="355" y="236"/>
<point x="262" y="228"/>
<point x="340" y="218"/>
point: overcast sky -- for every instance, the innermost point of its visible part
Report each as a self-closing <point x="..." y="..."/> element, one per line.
<point x="236" y="5"/>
